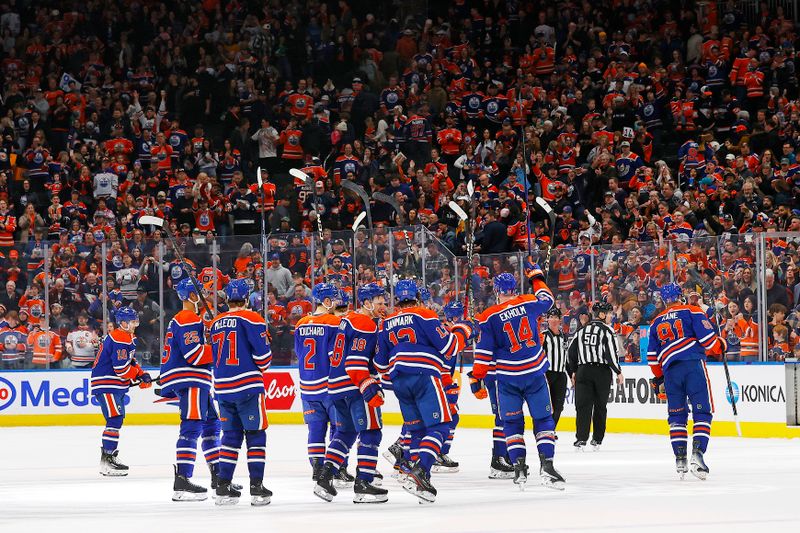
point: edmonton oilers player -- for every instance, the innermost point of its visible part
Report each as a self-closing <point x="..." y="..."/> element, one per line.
<point x="113" y="372"/>
<point x="356" y="396"/>
<point x="313" y="340"/>
<point x="415" y="349"/>
<point x="186" y="375"/>
<point x="241" y="356"/>
<point x="680" y="337"/>
<point x="509" y="337"/>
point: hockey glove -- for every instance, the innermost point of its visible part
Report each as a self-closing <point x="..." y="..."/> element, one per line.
<point x="469" y="328"/>
<point x="536" y="272"/>
<point x="657" y="384"/>
<point x="477" y="386"/>
<point x="145" y="380"/>
<point x="372" y="392"/>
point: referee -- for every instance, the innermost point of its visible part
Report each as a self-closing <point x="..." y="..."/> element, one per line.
<point x="554" y="345"/>
<point x="593" y="356"/>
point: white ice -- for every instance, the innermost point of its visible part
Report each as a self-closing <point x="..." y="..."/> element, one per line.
<point x="49" y="481"/>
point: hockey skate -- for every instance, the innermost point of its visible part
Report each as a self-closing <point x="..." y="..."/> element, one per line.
<point x="325" y="487"/>
<point x="401" y="470"/>
<point x="343" y="479"/>
<point x="186" y="491"/>
<point x="366" y="492"/>
<point x="444" y="465"/>
<point x="580" y="445"/>
<point x="377" y="479"/>
<point x="551" y="478"/>
<point x="109" y="466"/>
<point x="698" y="466"/>
<point x="226" y="494"/>
<point x="595" y="446"/>
<point x="418" y="483"/>
<point x="316" y="468"/>
<point x="500" y="468"/>
<point x="259" y="494"/>
<point x="520" y="473"/>
<point x="215" y="481"/>
<point x="681" y="463"/>
<point x="394" y="454"/>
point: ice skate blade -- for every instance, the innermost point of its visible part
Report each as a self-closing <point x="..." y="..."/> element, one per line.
<point x="443" y="469"/>
<point x="226" y="500"/>
<point x="521" y="485"/>
<point x="184" y="496"/>
<point x="342" y="484"/>
<point x="423" y="497"/>
<point x="580" y="449"/>
<point x="389" y="456"/>
<point x="114" y="473"/>
<point x="499" y="474"/>
<point x="370" y="498"/>
<point x="554" y="485"/>
<point x="699" y="474"/>
<point x="321" y="493"/>
<point x="260" y="501"/>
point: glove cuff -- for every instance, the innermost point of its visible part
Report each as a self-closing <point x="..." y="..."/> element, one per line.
<point x="366" y="383"/>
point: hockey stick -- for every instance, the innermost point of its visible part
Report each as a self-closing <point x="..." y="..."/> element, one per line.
<point x="400" y="219"/>
<point x="470" y="304"/>
<point x="730" y="393"/>
<point x="361" y="193"/>
<point x="356" y="226"/>
<point x="147" y="220"/>
<point x="552" y="216"/>
<point x="309" y="181"/>
<point x="263" y="244"/>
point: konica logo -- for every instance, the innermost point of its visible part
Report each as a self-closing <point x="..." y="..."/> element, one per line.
<point x="735" y="388"/>
<point x="8" y="393"/>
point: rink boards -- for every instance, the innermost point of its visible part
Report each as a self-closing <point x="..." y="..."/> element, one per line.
<point x="63" y="397"/>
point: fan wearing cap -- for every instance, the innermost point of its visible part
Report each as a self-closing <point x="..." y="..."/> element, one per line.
<point x="681" y="337"/>
<point x="114" y="371"/>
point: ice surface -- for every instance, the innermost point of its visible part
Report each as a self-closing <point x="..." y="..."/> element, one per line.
<point x="49" y="482"/>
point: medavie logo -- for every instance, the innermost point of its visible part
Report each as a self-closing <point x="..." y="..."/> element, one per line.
<point x="281" y="390"/>
<point x="7" y="393"/>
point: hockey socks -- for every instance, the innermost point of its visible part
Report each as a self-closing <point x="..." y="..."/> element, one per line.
<point x="338" y="449"/>
<point x="701" y="431"/>
<point x="545" y="436"/>
<point x="678" y="437"/>
<point x="210" y="441"/>
<point x="110" y="438"/>
<point x="256" y="453"/>
<point x="368" y="447"/>
<point x="515" y="441"/>
<point x="186" y="447"/>
<point x="316" y="440"/>
<point x="229" y="453"/>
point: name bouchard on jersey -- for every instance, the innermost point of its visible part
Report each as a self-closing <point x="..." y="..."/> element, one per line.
<point x="514" y="312"/>
<point x="311" y="331"/>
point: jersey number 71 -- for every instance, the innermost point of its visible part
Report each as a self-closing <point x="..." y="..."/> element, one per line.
<point x="226" y="341"/>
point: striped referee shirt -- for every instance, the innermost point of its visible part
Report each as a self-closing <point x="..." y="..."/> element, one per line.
<point x="554" y="345"/>
<point x="595" y="343"/>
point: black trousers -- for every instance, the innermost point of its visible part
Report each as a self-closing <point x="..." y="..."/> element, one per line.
<point x="592" y="384"/>
<point x="558" y="391"/>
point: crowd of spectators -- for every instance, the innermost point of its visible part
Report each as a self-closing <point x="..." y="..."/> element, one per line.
<point x="664" y="134"/>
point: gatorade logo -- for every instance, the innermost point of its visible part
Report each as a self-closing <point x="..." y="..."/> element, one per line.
<point x="735" y="388"/>
<point x="8" y="393"/>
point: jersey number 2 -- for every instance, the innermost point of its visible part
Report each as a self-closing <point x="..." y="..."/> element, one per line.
<point x="220" y="340"/>
<point x="524" y="334"/>
<point x="311" y="344"/>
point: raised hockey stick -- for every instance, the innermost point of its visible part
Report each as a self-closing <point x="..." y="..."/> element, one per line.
<point x="410" y="271"/>
<point x="468" y="296"/>
<point x="551" y="215"/>
<point x="147" y="220"/>
<point x="263" y="245"/>
<point x="356" y="226"/>
<point x="361" y="193"/>
<point x="309" y="181"/>
<point x="730" y="393"/>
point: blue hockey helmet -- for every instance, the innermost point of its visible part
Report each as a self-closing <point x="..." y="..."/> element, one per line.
<point x="369" y="291"/>
<point x="125" y="314"/>
<point x="505" y="283"/>
<point x="321" y="291"/>
<point x="671" y="292"/>
<point x="342" y="299"/>
<point x="237" y="290"/>
<point x="184" y="288"/>
<point x="454" y="310"/>
<point x="406" y="290"/>
<point x="424" y="294"/>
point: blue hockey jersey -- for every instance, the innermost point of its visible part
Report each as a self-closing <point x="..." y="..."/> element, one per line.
<point x="13" y="343"/>
<point x="510" y="336"/>
<point x="352" y="354"/>
<point x="414" y="341"/>
<point x="241" y="354"/>
<point x="313" y="342"/>
<point x="115" y="367"/>
<point x="185" y="358"/>
<point x="680" y="332"/>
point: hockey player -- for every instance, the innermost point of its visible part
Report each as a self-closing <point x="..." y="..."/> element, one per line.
<point x="114" y="371"/>
<point x="356" y="396"/>
<point x="241" y="356"/>
<point x="415" y="349"/>
<point x="510" y="339"/>
<point x="186" y="375"/>
<point x="680" y="338"/>
<point x="313" y="340"/>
